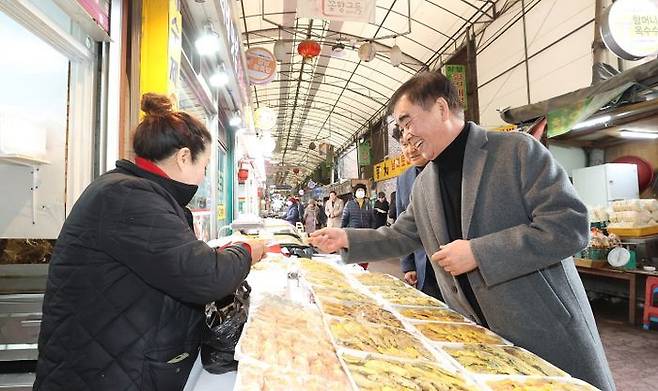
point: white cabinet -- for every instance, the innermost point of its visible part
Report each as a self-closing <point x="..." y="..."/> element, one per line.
<point x="600" y="185"/>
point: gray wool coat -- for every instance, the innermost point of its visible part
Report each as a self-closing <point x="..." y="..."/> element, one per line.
<point x="524" y="221"/>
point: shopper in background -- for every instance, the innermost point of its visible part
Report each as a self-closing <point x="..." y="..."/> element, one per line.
<point x="393" y="211"/>
<point x="357" y="212"/>
<point x="322" y="217"/>
<point x="501" y="231"/>
<point x="292" y="216"/>
<point x="417" y="268"/>
<point x="310" y="217"/>
<point x="334" y="210"/>
<point x="380" y="211"/>
<point x="128" y="280"/>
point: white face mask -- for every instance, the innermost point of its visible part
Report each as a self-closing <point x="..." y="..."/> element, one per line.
<point x="289" y="203"/>
<point x="360" y="194"/>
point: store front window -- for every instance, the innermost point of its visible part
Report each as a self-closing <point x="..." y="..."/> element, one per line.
<point x="33" y="126"/>
<point x="201" y="204"/>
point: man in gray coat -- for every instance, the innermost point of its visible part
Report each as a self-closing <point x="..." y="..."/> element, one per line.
<point x="501" y="220"/>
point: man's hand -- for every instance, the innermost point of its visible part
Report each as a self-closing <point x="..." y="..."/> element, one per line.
<point x="257" y="250"/>
<point x="329" y="240"/>
<point x="411" y="278"/>
<point x="456" y="258"/>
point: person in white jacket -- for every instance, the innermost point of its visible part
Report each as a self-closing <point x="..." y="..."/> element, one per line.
<point x="334" y="210"/>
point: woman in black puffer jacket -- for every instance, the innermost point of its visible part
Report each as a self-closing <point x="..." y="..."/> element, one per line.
<point x="128" y="279"/>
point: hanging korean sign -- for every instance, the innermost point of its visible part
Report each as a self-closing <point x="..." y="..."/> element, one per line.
<point x="457" y="75"/>
<point x="364" y="153"/>
<point x="341" y="10"/>
<point x="261" y="65"/>
<point x="391" y="168"/>
<point x="630" y="28"/>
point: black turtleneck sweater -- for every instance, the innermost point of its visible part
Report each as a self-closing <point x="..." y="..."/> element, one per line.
<point x="450" y="163"/>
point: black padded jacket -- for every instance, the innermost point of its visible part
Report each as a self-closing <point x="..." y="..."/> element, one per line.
<point x="127" y="285"/>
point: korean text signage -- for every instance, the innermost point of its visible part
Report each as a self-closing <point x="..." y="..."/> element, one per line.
<point x="457" y="75"/>
<point x="261" y="65"/>
<point x="630" y="28"/>
<point x="234" y="42"/>
<point x="390" y="168"/>
<point x="342" y="10"/>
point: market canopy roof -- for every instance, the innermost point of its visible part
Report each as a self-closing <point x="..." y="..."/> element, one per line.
<point x="330" y="99"/>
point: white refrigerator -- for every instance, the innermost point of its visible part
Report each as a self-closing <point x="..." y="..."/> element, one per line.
<point x="603" y="184"/>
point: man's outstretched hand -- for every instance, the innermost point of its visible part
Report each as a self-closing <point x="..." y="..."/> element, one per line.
<point x="329" y="240"/>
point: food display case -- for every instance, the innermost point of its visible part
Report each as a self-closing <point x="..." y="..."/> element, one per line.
<point x="316" y="324"/>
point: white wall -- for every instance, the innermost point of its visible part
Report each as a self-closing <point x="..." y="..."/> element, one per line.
<point x="559" y="35"/>
<point x="570" y="158"/>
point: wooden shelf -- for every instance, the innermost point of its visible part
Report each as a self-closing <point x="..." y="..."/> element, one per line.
<point x="22" y="160"/>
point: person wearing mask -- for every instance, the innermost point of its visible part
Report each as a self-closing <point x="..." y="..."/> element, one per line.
<point x="417" y="269"/>
<point x="380" y="211"/>
<point x="334" y="210"/>
<point x="357" y="212"/>
<point x="311" y="217"/>
<point x="128" y="280"/>
<point x="500" y="220"/>
<point x="292" y="216"/>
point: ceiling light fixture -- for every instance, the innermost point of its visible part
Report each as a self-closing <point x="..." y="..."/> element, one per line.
<point x="218" y="79"/>
<point x="592" y="122"/>
<point x="638" y="134"/>
<point x="235" y="120"/>
<point x="208" y="42"/>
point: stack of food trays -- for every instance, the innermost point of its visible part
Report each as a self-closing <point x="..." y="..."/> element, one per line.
<point x="387" y="336"/>
<point x="287" y="344"/>
<point x="375" y="344"/>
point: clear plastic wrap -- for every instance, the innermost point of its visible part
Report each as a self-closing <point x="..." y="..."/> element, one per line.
<point x="405" y="296"/>
<point x="361" y="312"/>
<point x="433" y="314"/>
<point x="292" y="337"/>
<point x="374" y="372"/>
<point x="257" y="376"/>
<point x="526" y="383"/>
<point x="500" y="360"/>
<point x="367" y="337"/>
<point x="378" y="279"/>
<point x="460" y="333"/>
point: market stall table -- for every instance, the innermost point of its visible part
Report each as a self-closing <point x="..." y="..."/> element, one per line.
<point x="620" y="275"/>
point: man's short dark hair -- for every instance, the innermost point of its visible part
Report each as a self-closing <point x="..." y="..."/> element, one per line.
<point x="425" y="88"/>
<point x="333" y="192"/>
<point x="381" y="194"/>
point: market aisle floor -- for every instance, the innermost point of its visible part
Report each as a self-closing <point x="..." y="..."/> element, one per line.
<point x="632" y="352"/>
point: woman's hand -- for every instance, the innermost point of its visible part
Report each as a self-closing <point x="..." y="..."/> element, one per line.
<point x="257" y="248"/>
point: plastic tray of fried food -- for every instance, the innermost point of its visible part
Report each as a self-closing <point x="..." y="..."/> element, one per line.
<point x="257" y="376"/>
<point x="361" y="312"/>
<point x="370" y="372"/>
<point x="335" y="281"/>
<point x="311" y="266"/>
<point x="501" y="360"/>
<point x="365" y="337"/>
<point x="340" y="294"/>
<point x="458" y="333"/>
<point x="530" y="383"/>
<point x="379" y="279"/>
<point x="405" y="296"/>
<point x="435" y="314"/>
<point x="289" y="336"/>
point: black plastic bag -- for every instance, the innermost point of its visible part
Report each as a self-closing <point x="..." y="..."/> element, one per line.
<point x="224" y="320"/>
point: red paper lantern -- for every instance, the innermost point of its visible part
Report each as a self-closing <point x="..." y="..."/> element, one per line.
<point x="308" y="49"/>
<point x="243" y="174"/>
